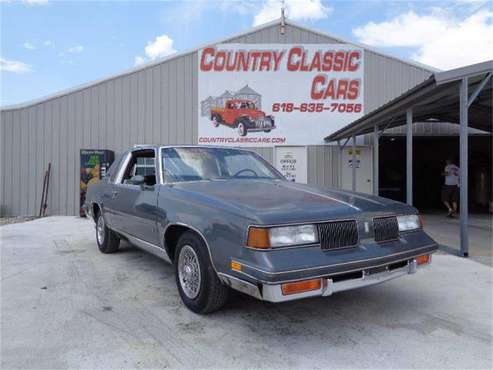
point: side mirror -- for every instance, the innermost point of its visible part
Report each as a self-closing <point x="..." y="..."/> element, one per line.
<point x="137" y="180"/>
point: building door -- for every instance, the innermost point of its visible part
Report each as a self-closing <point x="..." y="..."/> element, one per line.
<point x="364" y="169"/>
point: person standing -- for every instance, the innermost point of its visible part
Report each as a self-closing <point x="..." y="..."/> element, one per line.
<point x="450" y="190"/>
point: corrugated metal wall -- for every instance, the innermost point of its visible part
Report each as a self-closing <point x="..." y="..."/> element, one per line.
<point x="157" y="104"/>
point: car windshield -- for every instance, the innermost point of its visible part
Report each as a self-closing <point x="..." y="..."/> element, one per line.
<point x="195" y="164"/>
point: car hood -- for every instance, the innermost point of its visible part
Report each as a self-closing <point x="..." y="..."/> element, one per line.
<point x="284" y="202"/>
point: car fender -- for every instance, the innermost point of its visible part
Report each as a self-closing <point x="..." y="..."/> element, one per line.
<point x="222" y="227"/>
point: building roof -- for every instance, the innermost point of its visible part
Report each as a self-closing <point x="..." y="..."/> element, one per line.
<point x="226" y="94"/>
<point x="191" y="51"/>
<point x="433" y="128"/>
<point x="436" y="98"/>
<point x="247" y="90"/>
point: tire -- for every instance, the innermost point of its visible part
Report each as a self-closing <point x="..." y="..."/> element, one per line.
<point x="242" y="129"/>
<point x="198" y="284"/>
<point x="271" y="123"/>
<point x="216" y="120"/>
<point x="108" y="241"/>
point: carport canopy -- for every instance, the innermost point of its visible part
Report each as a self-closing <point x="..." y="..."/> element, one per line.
<point x="462" y="96"/>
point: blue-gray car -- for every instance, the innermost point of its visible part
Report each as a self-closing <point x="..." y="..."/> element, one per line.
<point x="226" y="219"/>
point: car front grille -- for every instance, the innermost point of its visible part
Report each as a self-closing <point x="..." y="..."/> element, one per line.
<point x="386" y="228"/>
<point x="338" y="234"/>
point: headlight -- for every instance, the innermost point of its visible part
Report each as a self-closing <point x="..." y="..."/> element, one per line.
<point x="408" y="222"/>
<point x="292" y="235"/>
<point x="282" y="236"/>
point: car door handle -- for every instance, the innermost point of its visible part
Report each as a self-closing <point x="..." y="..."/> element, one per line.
<point x="114" y="193"/>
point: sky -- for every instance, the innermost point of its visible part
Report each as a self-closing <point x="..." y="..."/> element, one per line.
<point x="47" y="46"/>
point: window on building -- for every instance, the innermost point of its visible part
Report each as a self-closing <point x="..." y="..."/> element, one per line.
<point x="145" y="167"/>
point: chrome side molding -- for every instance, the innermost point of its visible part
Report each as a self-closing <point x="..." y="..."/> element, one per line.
<point x="148" y="247"/>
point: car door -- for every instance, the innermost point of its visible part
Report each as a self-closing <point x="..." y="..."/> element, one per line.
<point x="229" y="115"/>
<point x="134" y="206"/>
<point x="109" y="189"/>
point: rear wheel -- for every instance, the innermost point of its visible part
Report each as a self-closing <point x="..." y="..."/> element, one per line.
<point x="198" y="284"/>
<point x="108" y="241"/>
<point x="216" y="120"/>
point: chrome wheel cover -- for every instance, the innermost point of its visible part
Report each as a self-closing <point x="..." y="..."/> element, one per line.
<point x="189" y="272"/>
<point x="100" y="230"/>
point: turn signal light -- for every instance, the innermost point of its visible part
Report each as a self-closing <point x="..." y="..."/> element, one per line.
<point x="236" y="266"/>
<point x="421" y="260"/>
<point x="301" y="286"/>
<point x="258" y="238"/>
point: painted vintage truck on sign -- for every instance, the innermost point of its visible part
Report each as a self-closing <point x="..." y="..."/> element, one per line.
<point x="242" y="115"/>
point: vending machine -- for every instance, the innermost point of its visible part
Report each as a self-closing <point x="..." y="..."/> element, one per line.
<point x="94" y="164"/>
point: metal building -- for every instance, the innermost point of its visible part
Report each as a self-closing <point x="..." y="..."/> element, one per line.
<point x="155" y="103"/>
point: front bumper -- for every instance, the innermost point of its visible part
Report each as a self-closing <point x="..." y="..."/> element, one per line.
<point x="330" y="284"/>
<point x="261" y="124"/>
<point x="273" y="293"/>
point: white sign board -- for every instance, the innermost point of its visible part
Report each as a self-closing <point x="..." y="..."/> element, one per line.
<point x="277" y="94"/>
<point x="291" y="161"/>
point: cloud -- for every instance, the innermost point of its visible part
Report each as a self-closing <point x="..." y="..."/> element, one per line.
<point x="14" y="66"/>
<point x="439" y="38"/>
<point x="139" y="60"/>
<point x="76" y="49"/>
<point x="48" y="43"/>
<point x="29" y="46"/>
<point x="295" y="10"/>
<point x="161" y="46"/>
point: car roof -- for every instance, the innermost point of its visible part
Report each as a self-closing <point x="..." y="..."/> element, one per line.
<point x="158" y="146"/>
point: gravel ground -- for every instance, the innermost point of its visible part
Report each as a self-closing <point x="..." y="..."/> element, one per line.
<point x="65" y="305"/>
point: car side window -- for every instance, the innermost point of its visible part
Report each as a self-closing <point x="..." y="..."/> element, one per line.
<point x="140" y="165"/>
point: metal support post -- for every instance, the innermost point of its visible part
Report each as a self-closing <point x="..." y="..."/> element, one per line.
<point x="409" y="156"/>
<point x="354" y="164"/>
<point x="464" y="211"/>
<point x="339" y="164"/>
<point x="375" y="160"/>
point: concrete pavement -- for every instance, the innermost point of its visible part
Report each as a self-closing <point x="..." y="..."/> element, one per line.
<point x="446" y="231"/>
<point x="64" y="304"/>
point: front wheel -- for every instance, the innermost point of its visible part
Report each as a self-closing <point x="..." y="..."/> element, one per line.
<point x="108" y="241"/>
<point x="198" y="284"/>
<point x="242" y="130"/>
